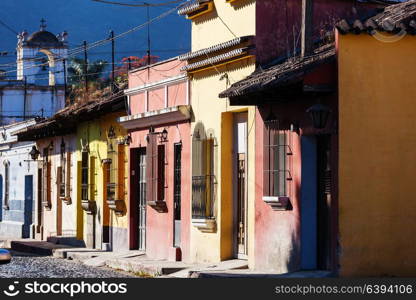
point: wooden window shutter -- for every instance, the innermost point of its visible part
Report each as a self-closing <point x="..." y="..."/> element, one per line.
<point x="121" y="171"/>
<point x="161" y="172"/>
<point x="151" y="168"/>
<point x="48" y="183"/>
<point x="92" y="178"/>
<point x="68" y="175"/>
<point x="58" y="179"/>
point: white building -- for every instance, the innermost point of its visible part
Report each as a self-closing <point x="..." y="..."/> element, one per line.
<point x="37" y="91"/>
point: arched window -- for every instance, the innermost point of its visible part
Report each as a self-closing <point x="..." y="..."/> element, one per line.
<point x="202" y="174"/>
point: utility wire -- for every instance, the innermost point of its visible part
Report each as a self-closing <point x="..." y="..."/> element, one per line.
<point x="143" y="4"/>
<point x="107" y="40"/>
<point x="8" y="27"/>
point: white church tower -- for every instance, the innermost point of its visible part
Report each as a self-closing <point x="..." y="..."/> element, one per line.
<point x="29" y="55"/>
<point x="39" y="89"/>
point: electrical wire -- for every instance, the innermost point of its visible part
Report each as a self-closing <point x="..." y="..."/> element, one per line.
<point x="107" y="40"/>
<point x="144" y="4"/>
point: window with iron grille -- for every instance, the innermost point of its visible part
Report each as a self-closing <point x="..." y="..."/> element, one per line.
<point x="84" y="175"/>
<point x="6" y="185"/>
<point x="276" y="167"/>
<point x="202" y="177"/>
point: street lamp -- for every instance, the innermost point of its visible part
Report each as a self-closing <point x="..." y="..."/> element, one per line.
<point x="319" y="114"/>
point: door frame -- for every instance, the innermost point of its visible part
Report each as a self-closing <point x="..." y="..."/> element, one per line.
<point x="240" y="117"/>
<point x="134" y="164"/>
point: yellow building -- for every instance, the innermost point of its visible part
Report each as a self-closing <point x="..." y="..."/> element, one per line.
<point x="102" y="180"/>
<point x="376" y="148"/>
<point x="222" y="135"/>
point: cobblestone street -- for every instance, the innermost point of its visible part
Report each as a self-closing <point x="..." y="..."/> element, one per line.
<point x="29" y="266"/>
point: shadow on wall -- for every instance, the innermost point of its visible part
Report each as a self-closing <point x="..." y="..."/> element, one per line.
<point x="242" y="3"/>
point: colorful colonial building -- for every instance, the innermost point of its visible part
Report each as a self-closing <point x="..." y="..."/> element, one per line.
<point x="222" y="135"/>
<point x="307" y="173"/>
<point x="159" y="187"/>
<point x="37" y="91"/>
<point x="82" y="174"/>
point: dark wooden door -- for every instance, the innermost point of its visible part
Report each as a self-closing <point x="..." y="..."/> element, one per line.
<point x="28" y="205"/>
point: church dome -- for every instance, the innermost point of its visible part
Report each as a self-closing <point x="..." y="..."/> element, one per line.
<point x="43" y="38"/>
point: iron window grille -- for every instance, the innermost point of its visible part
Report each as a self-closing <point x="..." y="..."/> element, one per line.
<point x="276" y="162"/>
<point x="202" y="177"/>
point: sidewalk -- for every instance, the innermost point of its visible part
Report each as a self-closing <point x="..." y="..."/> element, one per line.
<point x="138" y="263"/>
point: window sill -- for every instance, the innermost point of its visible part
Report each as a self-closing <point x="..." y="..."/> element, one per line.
<point x="205" y="225"/>
<point x="47" y="205"/>
<point x="88" y="206"/>
<point x="66" y="200"/>
<point x="158" y="205"/>
<point x="278" y="203"/>
<point x="117" y="206"/>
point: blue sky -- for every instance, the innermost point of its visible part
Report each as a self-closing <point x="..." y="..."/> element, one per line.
<point x="91" y="21"/>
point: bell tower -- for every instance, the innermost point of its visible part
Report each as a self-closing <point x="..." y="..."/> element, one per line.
<point x="41" y="55"/>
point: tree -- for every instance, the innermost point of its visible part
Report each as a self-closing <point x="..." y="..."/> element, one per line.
<point x="76" y="72"/>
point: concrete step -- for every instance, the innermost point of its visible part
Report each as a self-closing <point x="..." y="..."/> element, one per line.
<point x="66" y="240"/>
<point x="36" y="247"/>
<point x="146" y="268"/>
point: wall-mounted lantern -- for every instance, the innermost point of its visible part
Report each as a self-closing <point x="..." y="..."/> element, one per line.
<point x="50" y="147"/>
<point x="319" y="114"/>
<point x="163" y="135"/>
<point x="34" y="153"/>
<point x="111" y="133"/>
<point x="62" y="147"/>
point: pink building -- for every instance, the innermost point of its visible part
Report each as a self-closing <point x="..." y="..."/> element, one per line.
<point x="159" y="127"/>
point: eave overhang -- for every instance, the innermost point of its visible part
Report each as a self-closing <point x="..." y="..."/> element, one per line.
<point x="196" y="8"/>
<point x="169" y="115"/>
<point x="220" y="54"/>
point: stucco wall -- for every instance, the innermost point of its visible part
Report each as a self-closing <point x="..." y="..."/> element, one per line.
<point x="160" y="225"/>
<point x="279" y="23"/>
<point x="95" y="132"/>
<point x="215" y="114"/>
<point x="377" y="140"/>
<point x="50" y="217"/>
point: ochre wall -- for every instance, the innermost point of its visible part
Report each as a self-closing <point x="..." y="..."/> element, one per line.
<point x="377" y="211"/>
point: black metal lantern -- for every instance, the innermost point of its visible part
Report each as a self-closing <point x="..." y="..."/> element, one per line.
<point x="164" y="135"/>
<point x="62" y="146"/>
<point x="319" y="114"/>
<point x="34" y="153"/>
